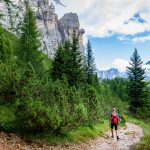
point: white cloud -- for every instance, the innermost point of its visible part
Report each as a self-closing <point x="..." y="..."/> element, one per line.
<point x="141" y="39"/>
<point x="120" y="64"/>
<point x="102" y="18"/>
<point x="122" y="38"/>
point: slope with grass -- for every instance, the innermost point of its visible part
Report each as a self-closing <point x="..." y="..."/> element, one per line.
<point x="15" y="41"/>
<point x="12" y="38"/>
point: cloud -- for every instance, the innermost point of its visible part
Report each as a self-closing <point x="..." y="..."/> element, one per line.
<point x="141" y="39"/>
<point x="120" y="64"/>
<point x="103" y="18"/>
<point x="123" y="38"/>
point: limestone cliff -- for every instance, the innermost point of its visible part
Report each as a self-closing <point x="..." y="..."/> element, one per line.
<point x="67" y="24"/>
<point x="12" y="14"/>
<point x="53" y="30"/>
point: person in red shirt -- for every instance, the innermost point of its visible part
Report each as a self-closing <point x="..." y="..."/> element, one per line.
<point x="114" y="119"/>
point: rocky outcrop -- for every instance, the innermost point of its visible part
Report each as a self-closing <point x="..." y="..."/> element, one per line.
<point x="47" y="22"/>
<point x="69" y="23"/>
<point x="12" y="14"/>
<point x="53" y="30"/>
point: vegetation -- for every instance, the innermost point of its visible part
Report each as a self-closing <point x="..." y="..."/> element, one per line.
<point x="10" y="37"/>
<point x="118" y="87"/>
<point x="43" y="102"/>
<point x="136" y="87"/>
<point x="6" y="52"/>
<point x="29" y="43"/>
<point x="91" y="68"/>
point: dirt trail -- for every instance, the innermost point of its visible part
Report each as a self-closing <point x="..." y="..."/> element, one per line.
<point x="128" y="137"/>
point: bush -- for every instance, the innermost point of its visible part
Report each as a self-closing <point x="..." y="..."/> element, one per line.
<point x="80" y="113"/>
<point x="9" y="79"/>
<point x="144" y="114"/>
<point x="7" y="118"/>
<point x="34" y="115"/>
<point x="46" y="105"/>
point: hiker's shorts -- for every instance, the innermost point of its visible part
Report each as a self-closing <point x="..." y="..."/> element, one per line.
<point x="114" y="125"/>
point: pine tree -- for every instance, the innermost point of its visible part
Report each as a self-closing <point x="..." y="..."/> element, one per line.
<point x="6" y="50"/>
<point x="136" y="87"/>
<point x="59" y="63"/>
<point x="68" y="62"/>
<point x="77" y="73"/>
<point x="91" y="69"/>
<point x="29" y="41"/>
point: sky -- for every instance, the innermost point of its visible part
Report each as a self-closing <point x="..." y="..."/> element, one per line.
<point x="114" y="27"/>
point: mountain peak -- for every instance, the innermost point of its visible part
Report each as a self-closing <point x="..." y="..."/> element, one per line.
<point x="108" y="74"/>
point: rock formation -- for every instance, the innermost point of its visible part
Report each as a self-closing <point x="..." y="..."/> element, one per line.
<point x="47" y="22"/>
<point x="53" y="30"/>
<point x="67" y="24"/>
<point x="12" y="15"/>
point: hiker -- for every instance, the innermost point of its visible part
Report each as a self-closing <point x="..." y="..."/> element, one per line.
<point x="114" y="119"/>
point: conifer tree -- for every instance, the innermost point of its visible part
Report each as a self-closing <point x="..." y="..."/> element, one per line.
<point x="68" y="62"/>
<point x="58" y="68"/>
<point x="29" y="41"/>
<point x="77" y="73"/>
<point x="6" y="50"/>
<point x="90" y="63"/>
<point x="136" y="87"/>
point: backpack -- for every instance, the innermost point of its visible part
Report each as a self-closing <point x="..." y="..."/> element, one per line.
<point x="114" y="118"/>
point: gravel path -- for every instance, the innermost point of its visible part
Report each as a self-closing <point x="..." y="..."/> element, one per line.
<point x="128" y="136"/>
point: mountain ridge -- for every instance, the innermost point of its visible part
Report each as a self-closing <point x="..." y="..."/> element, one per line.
<point x="114" y="72"/>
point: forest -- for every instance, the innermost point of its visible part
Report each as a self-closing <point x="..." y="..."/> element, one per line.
<point x="39" y="95"/>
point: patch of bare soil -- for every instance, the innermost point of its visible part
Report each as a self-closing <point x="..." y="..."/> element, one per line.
<point x="129" y="136"/>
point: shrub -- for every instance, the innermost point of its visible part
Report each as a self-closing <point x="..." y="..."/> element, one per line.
<point x="80" y="113"/>
<point x="9" y="79"/>
<point x="34" y="115"/>
<point x="7" y="118"/>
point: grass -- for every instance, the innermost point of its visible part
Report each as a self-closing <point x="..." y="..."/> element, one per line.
<point x="145" y="141"/>
<point x="78" y="135"/>
<point x="85" y="133"/>
<point x="12" y="38"/>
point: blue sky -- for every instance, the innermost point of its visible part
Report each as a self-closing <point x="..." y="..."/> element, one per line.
<point x="108" y="50"/>
<point x="114" y="27"/>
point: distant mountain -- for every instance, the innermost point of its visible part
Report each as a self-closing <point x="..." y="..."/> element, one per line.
<point x="111" y="74"/>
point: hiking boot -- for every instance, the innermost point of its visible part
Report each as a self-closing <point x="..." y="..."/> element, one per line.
<point x="118" y="138"/>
